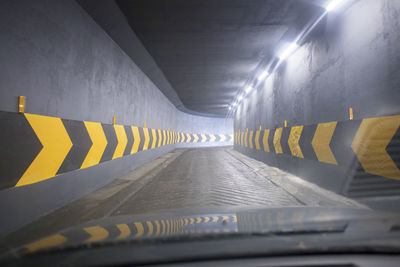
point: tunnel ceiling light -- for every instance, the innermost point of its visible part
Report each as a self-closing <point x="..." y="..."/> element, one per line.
<point x="263" y="75"/>
<point x="230" y="107"/>
<point x="288" y="51"/>
<point x="248" y="89"/>
<point x="240" y="98"/>
<point x="333" y="4"/>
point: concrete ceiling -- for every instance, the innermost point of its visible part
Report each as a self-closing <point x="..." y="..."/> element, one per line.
<point x="208" y="50"/>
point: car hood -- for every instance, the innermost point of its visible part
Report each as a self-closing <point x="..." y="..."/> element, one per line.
<point x="183" y="225"/>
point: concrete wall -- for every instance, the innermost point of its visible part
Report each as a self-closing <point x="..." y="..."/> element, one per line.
<point x="66" y="66"/>
<point x="352" y="60"/>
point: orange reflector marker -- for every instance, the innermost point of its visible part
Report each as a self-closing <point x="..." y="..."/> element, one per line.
<point x="21" y="104"/>
<point x="351" y="115"/>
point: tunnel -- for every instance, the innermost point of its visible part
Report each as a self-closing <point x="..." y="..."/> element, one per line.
<point x="186" y="114"/>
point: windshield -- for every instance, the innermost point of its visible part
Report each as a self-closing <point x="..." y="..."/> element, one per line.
<point x="161" y="123"/>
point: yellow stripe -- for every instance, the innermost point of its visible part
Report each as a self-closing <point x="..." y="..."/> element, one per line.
<point x="124" y="231"/>
<point x="150" y="227"/>
<point x="203" y="138"/>
<point x="139" y="229"/>
<point x="136" y="139"/>
<point x="195" y="138"/>
<point x="188" y="138"/>
<point x="212" y="138"/>
<point x="97" y="233"/>
<point x="321" y="142"/>
<point x="159" y="138"/>
<point x="293" y="141"/>
<point x="370" y="142"/>
<point x="99" y="143"/>
<point x="257" y="140"/>
<point x="251" y="139"/>
<point x="56" y="145"/>
<point x="168" y="226"/>
<point x="191" y="220"/>
<point x="146" y="138"/>
<point x="277" y="141"/>
<point x="222" y="137"/>
<point x="153" y="145"/>
<point x="157" y="223"/>
<point x="165" y="138"/>
<point x="48" y="242"/>
<point x="242" y="139"/>
<point x="265" y="140"/>
<point x="122" y="141"/>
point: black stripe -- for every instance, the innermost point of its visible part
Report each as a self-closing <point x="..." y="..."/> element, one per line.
<point x="150" y="138"/>
<point x="81" y="144"/>
<point x="129" y="144"/>
<point x="393" y="148"/>
<point x="19" y="146"/>
<point x="112" y="142"/>
<point x="141" y="134"/>
<point x="305" y="141"/>
<point x="341" y="142"/>
<point x="284" y="141"/>
<point x="271" y="140"/>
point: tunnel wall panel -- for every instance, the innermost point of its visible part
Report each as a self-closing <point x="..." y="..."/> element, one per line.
<point x="352" y="61"/>
<point x="76" y="79"/>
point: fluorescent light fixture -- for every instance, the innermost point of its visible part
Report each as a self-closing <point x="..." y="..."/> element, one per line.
<point x="263" y="75"/>
<point x="333" y="4"/>
<point x="240" y="98"/>
<point x="289" y="50"/>
<point x="248" y="89"/>
<point x="230" y="107"/>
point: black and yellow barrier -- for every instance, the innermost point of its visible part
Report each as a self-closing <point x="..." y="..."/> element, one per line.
<point x="35" y="147"/>
<point x="374" y="142"/>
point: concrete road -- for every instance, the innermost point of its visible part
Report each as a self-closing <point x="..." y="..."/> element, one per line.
<point x="200" y="180"/>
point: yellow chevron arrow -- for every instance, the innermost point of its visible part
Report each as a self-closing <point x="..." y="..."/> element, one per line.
<point x="159" y="138"/>
<point x="293" y="141"/>
<point x="154" y="134"/>
<point x="246" y="137"/>
<point x="195" y="138"/>
<point x="257" y="140"/>
<point x="277" y="141"/>
<point x="99" y="143"/>
<point x="122" y="141"/>
<point x="48" y="242"/>
<point x="139" y="229"/>
<point x="222" y="138"/>
<point x="97" y="233"/>
<point x="198" y="220"/>
<point x="265" y="140"/>
<point x="56" y="145"/>
<point x="212" y="138"/>
<point x="136" y="139"/>
<point x="188" y="138"/>
<point x="370" y="142"/>
<point x="146" y="138"/>
<point x="124" y="231"/>
<point x="215" y="219"/>
<point x="203" y="138"/>
<point x="165" y="138"/>
<point x="251" y="139"/>
<point x="321" y="141"/>
<point x="242" y="139"/>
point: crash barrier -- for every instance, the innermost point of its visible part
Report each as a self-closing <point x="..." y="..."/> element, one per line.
<point x="374" y="143"/>
<point x="35" y="148"/>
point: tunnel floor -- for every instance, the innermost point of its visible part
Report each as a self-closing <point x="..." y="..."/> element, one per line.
<point x="191" y="180"/>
